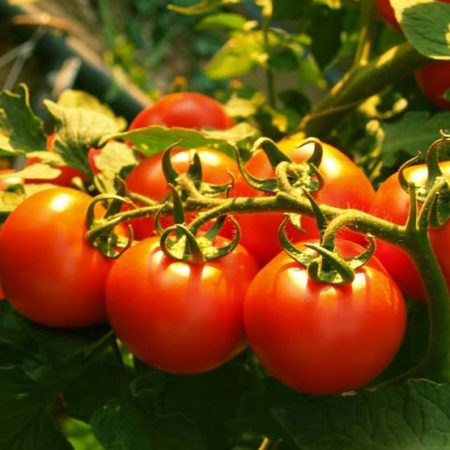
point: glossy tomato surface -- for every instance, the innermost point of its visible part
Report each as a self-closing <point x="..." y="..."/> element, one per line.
<point x="186" y="110"/>
<point x="434" y="80"/>
<point x="392" y="203"/>
<point x="147" y="178"/>
<point x="49" y="273"/>
<point x="176" y="316"/>
<point x="319" y="338"/>
<point x="345" y="186"/>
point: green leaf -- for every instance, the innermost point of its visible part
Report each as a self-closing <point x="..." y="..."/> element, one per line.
<point x="80" y="435"/>
<point x="202" y="7"/>
<point x="425" y="25"/>
<point x="240" y="54"/>
<point x="114" y="156"/>
<point x="415" y="415"/>
<point x="71" y="98"/>
<point x="35" y="363"/>
<point x="21" y="130"/>
<point x="134" y="422"/>
<point x="226" y="21"/>
<point x="416" y="130"/>
<point x="243" y="107"/>
<point x="78" y="129"/>
<point x="154" y="139"/>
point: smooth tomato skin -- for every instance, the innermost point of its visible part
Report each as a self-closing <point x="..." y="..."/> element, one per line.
<point x="391" y="202"/>
<point x="147" y="178"/>
<point x="433" y="80"/>
<point x="175" y="316"/>
<point x="49" y="272"/>
<point x="319" y="338"/>
<point x="345" y="186"/>
<point x="186" y="110"/>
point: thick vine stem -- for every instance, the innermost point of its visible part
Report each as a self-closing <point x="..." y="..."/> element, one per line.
<point x="362" y="82"/>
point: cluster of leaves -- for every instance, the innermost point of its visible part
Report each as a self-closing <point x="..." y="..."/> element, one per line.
<point x="81" y="382"/>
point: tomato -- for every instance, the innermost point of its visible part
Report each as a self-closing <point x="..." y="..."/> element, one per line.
<point x="177" y="316"/>
<point x="433" y="80"/>
<point x="319" y="338"/>
<point x="391" y="202"/>
<point x="386" y="12"/>
<point x="186" y="110"/>
<point x="147" y="178"/>
<point x="345" y="186"/>
<point x="49" y="272"/>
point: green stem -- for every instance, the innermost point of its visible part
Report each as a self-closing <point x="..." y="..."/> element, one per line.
<point x="270" y="76"/>
<point x="359" y="84"/>
<point x="367" y="33"/>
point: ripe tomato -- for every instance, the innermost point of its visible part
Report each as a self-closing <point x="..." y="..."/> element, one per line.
<point x="319" y="338"/>
<point x="147" y="178"/>
<point x="186" y="110"/>
<point x="49" y="272"/>
<point x="391" y="202"/>
<point x="345" y="186"/>
<point x="386" y="12"/>
<point x="177" y="316"/>
<point x="433" y="80"/>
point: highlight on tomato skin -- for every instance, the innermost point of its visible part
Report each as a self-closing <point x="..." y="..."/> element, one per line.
<point x="319" y="338"/>
<point x="391" y="202"/>
<point x="345" y="186"/>
<point x="185" y="110"/>
<point x="49" y="272"/>
<point x="177" y="316"/>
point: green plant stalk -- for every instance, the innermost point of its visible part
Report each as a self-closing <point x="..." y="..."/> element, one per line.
<point x="367" y="34"/>
<point x="360" y="83"/>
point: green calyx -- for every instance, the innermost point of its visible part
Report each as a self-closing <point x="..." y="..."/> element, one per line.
<point x="288" y="174"/>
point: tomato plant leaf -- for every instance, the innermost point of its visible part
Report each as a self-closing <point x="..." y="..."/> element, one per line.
<point x="411" y="415"/>
<point x="425" y="25"/>
<point x="227" y="21"/>
<point x="202" y="7"/>
<point x="416" y="130"/>
<point x="133" y="421"/>
<point x="21" y="130"/>
<point x="154" y="139"/>
<point x="78" y="129"/>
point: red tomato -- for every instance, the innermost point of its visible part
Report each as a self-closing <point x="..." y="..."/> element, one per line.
<point x="345" y="186"/>
<point x="319" y="338"/>
<point x="186" y="110"/>
<point x="387" y="13"/>
<point x="49" y="272"/>
<point x="392" y="203"/>
<point x="147" y="178"/>
<point x="433" y="80"/>
<point x="176" y="316"/>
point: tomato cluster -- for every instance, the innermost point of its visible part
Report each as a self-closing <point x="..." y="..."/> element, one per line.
<point x="187" y="316"/>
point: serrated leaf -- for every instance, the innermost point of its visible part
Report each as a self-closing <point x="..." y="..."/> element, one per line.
<point x="226" y="21"/>
<point x="414" y="415"/>
<point x="202" y="7"/>
<point x="39" y="171"/>
<point x="72" y="98"/>
<point x="21" y="130"/>
<point x="114" y="156"/>
<point x="425" y="24"/>
<point x="416" y="130"/>
<point x="78" y="129"/>
<point x="154" y="139"/>
<point x="133" y="421"/>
